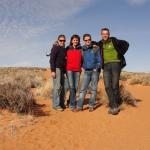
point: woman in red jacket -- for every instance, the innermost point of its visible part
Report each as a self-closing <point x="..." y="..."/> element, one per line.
<point x="73" y="67"/>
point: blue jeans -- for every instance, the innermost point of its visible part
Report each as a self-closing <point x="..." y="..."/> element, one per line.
<point x="58" y="89"/>
<point x="73" y="80"/>
<point x="66" y="86"/>
<point x="93" y="77"/>
<point x="111" y="80"/>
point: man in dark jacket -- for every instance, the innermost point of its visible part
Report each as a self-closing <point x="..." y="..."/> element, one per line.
<point x="112" y="52"/>
<point x="57" y="65"/>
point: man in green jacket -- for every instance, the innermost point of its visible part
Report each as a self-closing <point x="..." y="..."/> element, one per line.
<point x="112" y="52"/>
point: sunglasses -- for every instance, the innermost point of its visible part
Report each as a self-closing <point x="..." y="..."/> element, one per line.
<point x="87" y="40"/>
<point x="62" y="40"/>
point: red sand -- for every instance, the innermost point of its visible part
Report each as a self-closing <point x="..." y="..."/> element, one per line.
<point x="130" y="130"/>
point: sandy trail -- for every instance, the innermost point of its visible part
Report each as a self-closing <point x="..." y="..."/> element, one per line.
<point x="130" y="130"/>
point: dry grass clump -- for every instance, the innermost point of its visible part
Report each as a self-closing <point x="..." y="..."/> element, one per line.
<point x="102" y="96"/>
<point x="44" y="91"/>
<point x="15" y="88"/>
<point x="142" y="78"/>
<point x="125" y="95"/>
<point x="136" y="78"/>
<point x="125" y="75"/>
<point x="16" y="98"/>
<point x="29" y="77"/>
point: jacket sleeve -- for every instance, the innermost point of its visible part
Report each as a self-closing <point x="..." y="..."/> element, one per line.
<point x="82" y="58"/>
<point x="123" y="46"/>
<point x="98" y="58"/>
<point x="53" y="59"/>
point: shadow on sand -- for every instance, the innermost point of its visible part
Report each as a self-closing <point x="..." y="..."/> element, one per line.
<point x="38" y="110"/>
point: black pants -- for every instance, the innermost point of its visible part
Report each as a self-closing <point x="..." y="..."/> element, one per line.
<point x="111" y="80"/>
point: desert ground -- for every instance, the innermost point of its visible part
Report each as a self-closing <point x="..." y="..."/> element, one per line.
<point x="48" y="129"/>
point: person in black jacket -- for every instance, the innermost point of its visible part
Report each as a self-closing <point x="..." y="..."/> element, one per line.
<point x="112" y="52"/>
<point x="57" y="65"/>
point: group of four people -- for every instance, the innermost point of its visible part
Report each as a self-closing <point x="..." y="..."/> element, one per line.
<point x="67" y="63"/>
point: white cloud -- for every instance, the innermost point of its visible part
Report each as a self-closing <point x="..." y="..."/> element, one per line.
<point x="22" y="20"/>
<point x="27" y="18"/>
<point x="137" y="2"/>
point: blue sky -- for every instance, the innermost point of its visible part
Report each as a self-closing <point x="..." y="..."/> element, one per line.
<point x="29" y="27"/>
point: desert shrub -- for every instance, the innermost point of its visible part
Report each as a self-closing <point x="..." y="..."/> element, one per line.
<point x="16" y="98"/>
<point x="125" y="96"/>
<point x="29" y="77"/>
<point x="142" y="78"/>
<point x="102" y="96"/>
<point x="136" y="78"/>
<point x="29" y="80"/>
<point x="125" y="75"/>
<point x="45" y="91"/>
<point x="15" y="88"/>
<point x="135" y="81"/>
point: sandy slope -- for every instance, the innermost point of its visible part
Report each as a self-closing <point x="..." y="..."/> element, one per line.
<point x="130" y="130"/>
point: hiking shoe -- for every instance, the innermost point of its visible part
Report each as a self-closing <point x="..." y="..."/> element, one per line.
<point x="78" y="109"/>
<point x="73" y="109"/>
<point x="91" y="109"/>
<point x="59" y="109"/>
<point x="113" y="111"/>
<point x="64" y="107"/>
<point x="110" y="110"/>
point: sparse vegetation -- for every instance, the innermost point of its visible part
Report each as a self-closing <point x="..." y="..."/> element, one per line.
<point x="125" y="96"/>
<point x="16" y="98"/>
<point x="19" y="86"/>
<point x="125" y="75"/>
<point x="102" y="97"/>
<point x="15" y="88"/>
<point x="136" y="78"/>
<point x="28" y="77"/>
<point x="45" y="90"/>
<point x="143" y="79"/>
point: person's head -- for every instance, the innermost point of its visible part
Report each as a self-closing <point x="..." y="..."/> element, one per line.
<point x="61" y="40"/>
<point x="105" y="33"/>
<point x="75" y="40"/>
<point x="87" y="39"/>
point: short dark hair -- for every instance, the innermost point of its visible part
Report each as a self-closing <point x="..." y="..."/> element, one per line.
<point x="61" y="35"/>
<point x="86" y="35"/>
<point x="75" y="36"/>
<point x="105" y="29"/>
